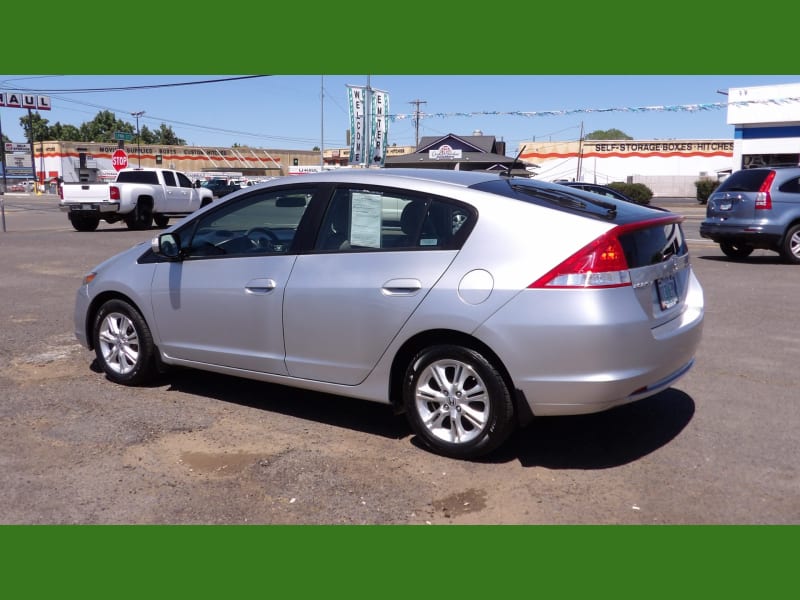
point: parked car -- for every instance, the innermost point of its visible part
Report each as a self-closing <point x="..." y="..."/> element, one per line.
<point x="495" y="299"/>
<point x="596" y="188"/>
<point x="221" y="186"/>
<point x="756" y="208"/>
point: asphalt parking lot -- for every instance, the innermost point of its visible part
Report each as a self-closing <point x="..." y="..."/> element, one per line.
<point x="720" y="447"/>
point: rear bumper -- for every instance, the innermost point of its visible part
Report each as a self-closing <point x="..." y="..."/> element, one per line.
<point x="89" y="208"/>
<point x="757" y="235"/>
<point x="597" y="350"/>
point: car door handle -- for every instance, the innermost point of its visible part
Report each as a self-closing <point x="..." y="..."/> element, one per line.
<point x="260" y="286"/>
<point x="401" y="287"/>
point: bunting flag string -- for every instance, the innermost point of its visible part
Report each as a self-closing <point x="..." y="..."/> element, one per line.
<point x="574" y="111"/>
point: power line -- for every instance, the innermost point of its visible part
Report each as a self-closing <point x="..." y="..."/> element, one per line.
<point x="136" y="87"/>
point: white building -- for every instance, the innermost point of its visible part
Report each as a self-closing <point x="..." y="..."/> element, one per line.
<point x="767" y="125"/>
<point x="668" y="167"/>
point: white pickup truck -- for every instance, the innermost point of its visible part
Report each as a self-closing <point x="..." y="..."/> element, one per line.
<point x="138" y="197"/>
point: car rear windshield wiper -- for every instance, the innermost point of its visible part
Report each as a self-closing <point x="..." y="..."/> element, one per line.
<point x="567" y="200"/>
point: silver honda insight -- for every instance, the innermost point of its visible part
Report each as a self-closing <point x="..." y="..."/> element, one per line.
<point x="470" y="301"/>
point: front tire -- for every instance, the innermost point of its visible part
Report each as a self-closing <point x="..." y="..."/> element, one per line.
<point x="790" y="250"/>
<point x="457" y="402"/>
<point x="123" y="344"/>
<point x="735" y="250"/>
<point x="161" y="220"/>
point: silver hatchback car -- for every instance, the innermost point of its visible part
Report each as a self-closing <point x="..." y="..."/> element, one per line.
<point x="491" y="300"/>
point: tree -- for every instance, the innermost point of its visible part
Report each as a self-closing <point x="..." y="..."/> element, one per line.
<point x="67" y="133"/>
<point x="40" y="129"/>
<point x="608" y="134"/>
<point x="101" y="128"/>
<point x="167" y="137"/>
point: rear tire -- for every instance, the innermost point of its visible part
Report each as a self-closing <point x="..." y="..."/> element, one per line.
<point x="790" y="249"/>
<point x="84" y="223"/>
<point x="123" y="344"/>
<point x="141" y="217"/>
<point x="457" y="402"/>
<point x="735" y="250"/>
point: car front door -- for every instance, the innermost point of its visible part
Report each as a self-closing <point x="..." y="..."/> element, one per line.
<point x="191" y="196"/>
<point x="222" y="304"/>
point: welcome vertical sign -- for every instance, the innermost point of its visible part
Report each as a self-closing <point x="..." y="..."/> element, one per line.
<point x="358" y="130"/>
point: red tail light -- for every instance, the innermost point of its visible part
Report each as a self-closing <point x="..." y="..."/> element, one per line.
<point x="114" y="192"/>
<point x="599" y="264"/>
<point x="763" y="197"/>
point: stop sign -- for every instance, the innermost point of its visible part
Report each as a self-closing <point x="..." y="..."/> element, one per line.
<point x="119" y="160"/>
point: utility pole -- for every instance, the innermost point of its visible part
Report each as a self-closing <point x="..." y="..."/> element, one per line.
<point x="5" y="169"/>
<point x="416" y="119"/>
<point x="322" y="122"/>
<point x="138" y="137"/>
<point x="3" y="158"/>
<point x="580" y="154"/>
<point x="31" y="140"/>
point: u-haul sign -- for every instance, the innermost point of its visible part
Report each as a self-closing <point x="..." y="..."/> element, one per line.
<point x="23" y="100"/>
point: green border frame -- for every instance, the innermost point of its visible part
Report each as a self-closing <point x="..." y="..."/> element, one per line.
<point x="624" y="37"/>
<point x="399" y="561"/>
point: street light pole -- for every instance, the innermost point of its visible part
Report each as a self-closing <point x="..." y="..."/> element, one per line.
<point x="138" y="137"/>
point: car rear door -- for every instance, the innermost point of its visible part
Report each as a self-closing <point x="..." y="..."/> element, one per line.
<point x="346" y="301"/>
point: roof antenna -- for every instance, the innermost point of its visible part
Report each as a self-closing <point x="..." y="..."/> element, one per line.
<point x="507" y="172"/>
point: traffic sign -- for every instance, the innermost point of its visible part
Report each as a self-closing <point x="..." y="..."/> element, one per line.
<point x="123" y="135"/>
<point x="119" y="160"/>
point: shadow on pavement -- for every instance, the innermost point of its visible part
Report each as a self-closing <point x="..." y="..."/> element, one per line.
<point x="608" y="439"/>
<point x="602" y="440"/>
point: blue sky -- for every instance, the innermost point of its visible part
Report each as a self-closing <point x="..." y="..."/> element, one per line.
<point x="286" y="111"/>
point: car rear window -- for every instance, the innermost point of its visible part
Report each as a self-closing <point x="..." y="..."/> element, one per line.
<point x="747" y="180"/>
<point x="652" y="245"/>
<point x="137" y="177"/>
<point x="568" y="199"/>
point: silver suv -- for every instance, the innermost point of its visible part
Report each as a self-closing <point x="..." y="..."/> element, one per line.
<point x="756" y="208"/>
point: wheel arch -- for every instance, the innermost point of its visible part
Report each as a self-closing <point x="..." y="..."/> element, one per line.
<point x="146" y="199"/>
<point x="435" y="337"/>
<point x="794" y="222"/>
<point x="94" y="307"/>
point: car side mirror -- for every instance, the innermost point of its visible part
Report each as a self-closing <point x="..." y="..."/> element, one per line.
<point x="167" y="245"/>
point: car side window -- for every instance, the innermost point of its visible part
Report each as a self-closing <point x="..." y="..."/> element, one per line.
<point x="169" y="179"/>
<point x="260" y="223"/>
<point x="370" y="220"/>
<point x="183" y="180"/>
<point x="792" y="186"/>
